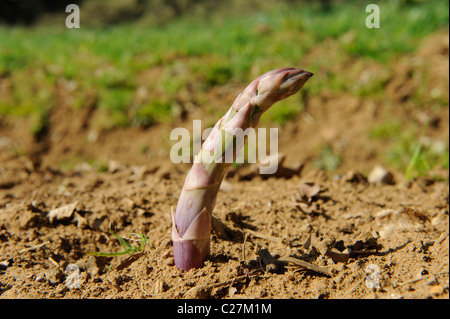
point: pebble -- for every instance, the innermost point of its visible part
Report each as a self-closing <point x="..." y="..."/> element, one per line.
<point x="326" y="243"/>
<point x="4" y="265"/>
<point x="159" y="287"/>
<point x="436" y="291"/>
<point x="199" y="292"/>
<point x="91" y="267"/>
<point x="226" y="187"/>
<point x="440" y="218"/>
<point x="61" y="289"/>
<point x="169" y="261"/>
<point x="355" y="177"/>
<point x="54" y="276"/>
<point x="62" y="212"/>
<point x="422" y="272"/>
<point x="379" y="175"/>
<point x="432" y="280"/>
<point x="39" y="279"/>
<point x="114" y="166"/>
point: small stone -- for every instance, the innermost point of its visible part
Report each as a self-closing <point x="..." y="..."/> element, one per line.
<point x="169" y="261"/>
<point x="436" y="291"/>
<point x="28" y="219"/>
<point x="137" y="172"/>
<point x="4" y="264"/>
<point x="432" y="281"/>
<point x="63" y="212"/>
<point x="199" y="292"/>
<point x="91" y="267"/>
<point x="355" y="177"/>
<point x="128" y="203"/>
<point x="61" y="289"/>
<point x="54" y="276"/>
<point x="39" y="279"/>
<point x="379" y="175"/>
<point x="92" y="136"/>
<point x="226" y="187"/>
<point x="114" y="166"/>
<point x="440" y="218"/>
<point x="81" y="221"/>
<point x="325" y="244"/>
<point x="232" y="291"/>
<point x="422" y="272"/>
<point x="159" y="287"/>
<point x="308" y="190"/>
<point x="305" y="227"/>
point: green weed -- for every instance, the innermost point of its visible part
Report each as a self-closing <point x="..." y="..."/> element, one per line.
<point x="215" y="51"/>
<point x="128" y="248"/>
<point x="409" y="151"/>
<point x="328" y="159"/>
<point x="155" y="111"/>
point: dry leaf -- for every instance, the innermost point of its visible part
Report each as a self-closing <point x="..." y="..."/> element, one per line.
<point x="308" y="190"/>
<point x="62" y="212"/>
<point x="307" y="243"/>
<point x="390" y="221"/>
<point x="231" y="292"/>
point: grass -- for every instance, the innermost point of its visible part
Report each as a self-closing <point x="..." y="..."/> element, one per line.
<point x="328" y="159"/>
<point x="409" y="149"/>
<point x="128" y="248"/>
<point x="212" y="53"/>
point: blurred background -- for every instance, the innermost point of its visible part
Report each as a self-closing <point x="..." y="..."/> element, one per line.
<point x="135" y="69"/>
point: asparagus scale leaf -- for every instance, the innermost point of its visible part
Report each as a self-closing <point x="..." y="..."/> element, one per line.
<point x="191" y="222"/>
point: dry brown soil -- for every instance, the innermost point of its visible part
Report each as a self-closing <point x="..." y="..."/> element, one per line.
<point x="373" y="240"/>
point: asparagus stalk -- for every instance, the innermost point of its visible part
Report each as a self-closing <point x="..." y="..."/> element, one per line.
<point x="191" y="222"/>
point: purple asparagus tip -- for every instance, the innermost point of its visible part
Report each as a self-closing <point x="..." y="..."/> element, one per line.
<point x="192" y="221"/>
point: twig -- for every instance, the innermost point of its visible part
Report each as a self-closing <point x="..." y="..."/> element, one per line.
<point x="351" y="289"/>
<point x="34" y="247"/>
<point x="245" y="240"/>
<point x="423" y="277"/>
<point x="306" y="265"/>
<point x="143" y="290"/>
<point x="211" y="286"/>
<point x="259" y="235"/>
<point x="53" y="261"/>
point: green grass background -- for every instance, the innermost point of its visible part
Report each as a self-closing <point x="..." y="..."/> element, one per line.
<point x="197" y="56"/>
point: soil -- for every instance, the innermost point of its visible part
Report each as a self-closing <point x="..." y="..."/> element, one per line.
<point x="358" y="239"/>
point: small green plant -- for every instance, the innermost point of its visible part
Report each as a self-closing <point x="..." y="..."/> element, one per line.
<point x="157" y="110"/>
<point x="408" y="150"/>
<point x="128" y="248"/>
<point x="329" y="159"/>
<point x="424" y="158"/>
<point x="388" y="129"/>
<point x="413" y="163"/>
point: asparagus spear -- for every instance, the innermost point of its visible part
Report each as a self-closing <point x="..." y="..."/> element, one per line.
<point x="191" y="222"/>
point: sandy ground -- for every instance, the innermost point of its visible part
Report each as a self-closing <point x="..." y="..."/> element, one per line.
<point x="354" y="238"/>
